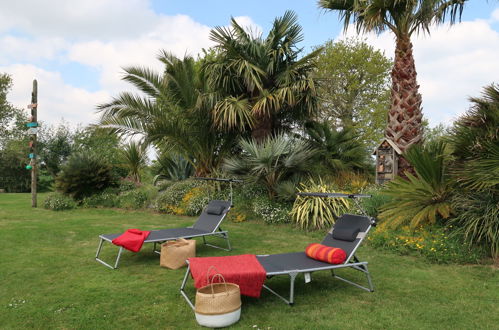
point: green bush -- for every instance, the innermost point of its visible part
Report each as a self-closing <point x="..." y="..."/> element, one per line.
<point x="424" y="198"/>
<point x="58" y="202"/>
<point x="373" y="205"/>
<point x="477" y="219"/>
<point x="270" y="211"/>
<point x="170" y="200"/>
<point x="315" y="212"/>
<point x="133" y="199"/>
<point x="126" y="185"/>
<point x="434" y="243"/>
<point x="107" y="198"/>
<point x="84" y="174"/>
<point x="196" y="199"/>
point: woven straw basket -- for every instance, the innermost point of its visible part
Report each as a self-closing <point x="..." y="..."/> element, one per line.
<point x="175" y="253"/>
<point x="218" y="304"/>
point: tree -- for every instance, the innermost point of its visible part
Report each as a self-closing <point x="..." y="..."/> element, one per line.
<point x="337" y="149"/>
<point x="13" y="143"/>
<point x="271" y="162"/>
<point x="134" y="155"/>
<point x="403" y="18"/>
<point x="474" y="138"/>
<point x="354" y="88"/>
<point x="171" y="114"/>
<point x="265" y="86"/>
<point x="55" y="146"/>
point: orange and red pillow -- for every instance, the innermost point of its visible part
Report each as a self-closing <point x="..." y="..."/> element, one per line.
<point x="325" y="253"/>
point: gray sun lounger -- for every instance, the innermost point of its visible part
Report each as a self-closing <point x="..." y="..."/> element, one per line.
<point x="348" y="232"/>
<point x="208" y="224"/>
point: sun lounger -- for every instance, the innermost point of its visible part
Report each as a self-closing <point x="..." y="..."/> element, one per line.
<point x="295" y="263"/>
<point x="208" y="224"/>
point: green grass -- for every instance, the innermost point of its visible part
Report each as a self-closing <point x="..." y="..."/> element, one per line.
<point x="49" y="279"/>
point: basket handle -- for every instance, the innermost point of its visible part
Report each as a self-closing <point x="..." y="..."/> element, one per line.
<point x="208" y="273"/>
<point x="222" y="279"/>
<point x="217" y="275"/>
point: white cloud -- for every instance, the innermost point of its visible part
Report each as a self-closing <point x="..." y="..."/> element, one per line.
<point x="453" y="63"/>
<point x="24" y="49"/>
<point x="56" y="99"/>
<point x="495" y="15"/>
<point x="89" y="19"/>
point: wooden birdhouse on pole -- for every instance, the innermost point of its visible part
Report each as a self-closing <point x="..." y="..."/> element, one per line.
<point x="387" y="159"/>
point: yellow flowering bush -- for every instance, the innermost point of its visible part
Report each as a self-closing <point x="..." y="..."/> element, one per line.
<point x="434" y="243"/>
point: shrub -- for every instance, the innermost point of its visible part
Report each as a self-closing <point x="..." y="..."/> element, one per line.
<point x="169" y="201"/>
<point x="315" y="212"/>
<point x="424" y="198"/>
<point x="373" y="205"/>
<point x="196" y="199"/>
<point x="132" y="199"/>
<point x="477" y="220"/>
<point x="434" y="243"/>
<point x="84" y="174"/>
<point x="270" y="211"/>
<point x="107" y="198"/>
<point x="58" y="202"/>
<point x="272" y="161"/>
<point x="126" y="185"/>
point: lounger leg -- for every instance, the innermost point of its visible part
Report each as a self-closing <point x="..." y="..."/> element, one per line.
<point x="292" y="277"/>
<point x="182" y="287"/>
<point x="225" y="236"/>
<point x="361" y="268"/>
<point x="99" y="249"/>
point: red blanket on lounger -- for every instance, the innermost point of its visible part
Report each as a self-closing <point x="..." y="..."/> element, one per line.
<point x="244" y="270"/>
<point x="132" y="239"/>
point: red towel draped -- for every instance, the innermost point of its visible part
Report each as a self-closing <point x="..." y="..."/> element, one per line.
<point x="244" y="270"/>
<point x="132" y="239"/>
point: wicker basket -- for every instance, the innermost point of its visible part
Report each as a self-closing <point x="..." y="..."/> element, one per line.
<point x="218" y="304"/>
<point x="175" y="253"/>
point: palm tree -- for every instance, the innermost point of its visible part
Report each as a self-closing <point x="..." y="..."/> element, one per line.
<point x="271" y="162"/>
<point x="403" y="18"/>
<point x="171" y="113"/>
<point x="134" y="155"/>
<point x="338" y="150"/>
<point x="265" y="86"/>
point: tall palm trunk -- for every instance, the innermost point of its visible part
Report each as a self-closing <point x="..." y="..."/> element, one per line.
<point x="262" y="128"/>
<point x="404" y="118"/>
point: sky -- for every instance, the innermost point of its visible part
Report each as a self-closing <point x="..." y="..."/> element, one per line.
<point x="76" y="49"/>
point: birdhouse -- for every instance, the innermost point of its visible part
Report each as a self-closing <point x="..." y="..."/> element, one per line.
<point x="387" y="158"/>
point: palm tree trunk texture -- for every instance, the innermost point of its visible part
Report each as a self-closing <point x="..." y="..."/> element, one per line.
<point x="405" y="115"/>
<point x="262" y="128"/>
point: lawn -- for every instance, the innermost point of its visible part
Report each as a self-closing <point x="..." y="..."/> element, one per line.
<point x="51" y="280"/>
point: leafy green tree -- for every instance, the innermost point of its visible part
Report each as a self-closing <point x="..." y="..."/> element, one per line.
<point x="402" y="18"/>
<point x="271" y="162"/>
<point x="354" y="88"/>
<point x="172" y="113"/>
<point x="134" y="155"/>
<point x="55" y="145"/>
<point x="13" y="143"/>
<point x="265" y="86"/>
<point x="103" y="142"/>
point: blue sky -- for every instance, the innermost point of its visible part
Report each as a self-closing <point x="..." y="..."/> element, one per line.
<point x="76" y="49"/>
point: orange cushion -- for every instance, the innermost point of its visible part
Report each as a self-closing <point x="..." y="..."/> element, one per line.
<point x="325" y="253"/>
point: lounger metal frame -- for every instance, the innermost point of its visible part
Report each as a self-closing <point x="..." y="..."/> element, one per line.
<point x="216" y="232"/>
<point x="350" y="262"/>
